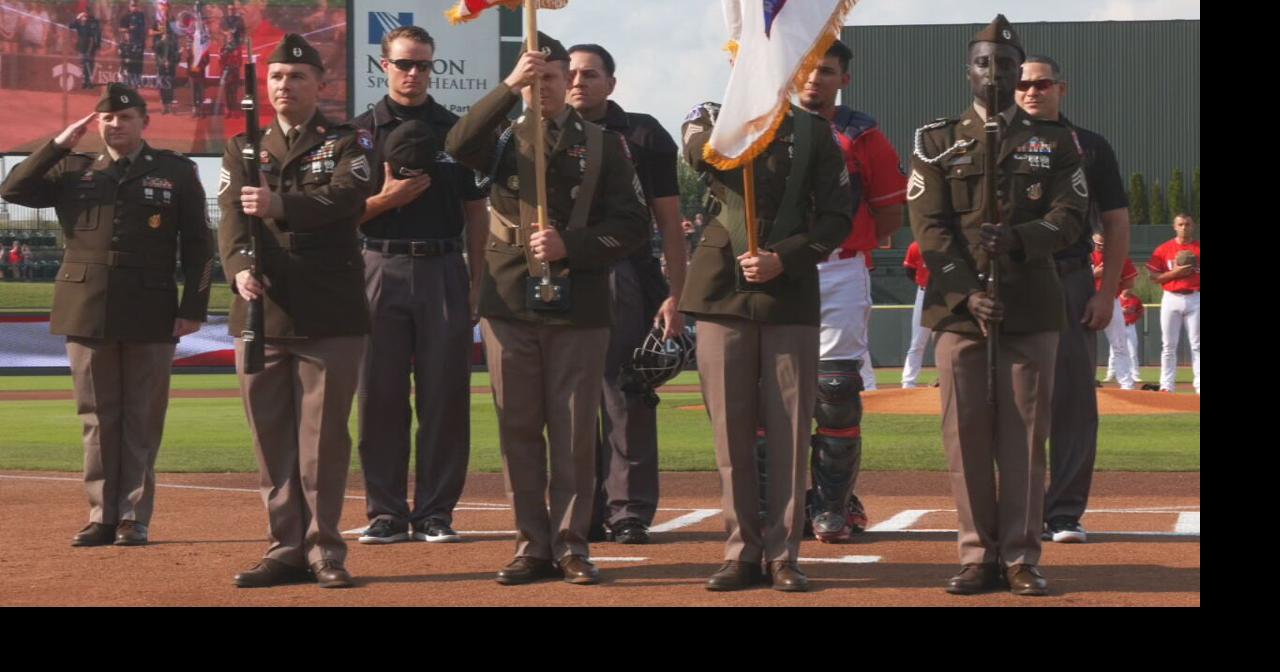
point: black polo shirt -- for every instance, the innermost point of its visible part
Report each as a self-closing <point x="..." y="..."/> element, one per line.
<point x="438" y="212"/>
<point x="1106" y="188"/>
<point x="653" y="153"/>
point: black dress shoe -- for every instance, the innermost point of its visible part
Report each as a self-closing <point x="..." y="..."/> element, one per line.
<point x="735" y="575"/>
<point x="631" y="531"/>
<point x="95" y="534"/>
<point x="271" y="572"/>
<point x="524" y="570"/>
<point x="787" y="577"/>
<point x="578" y="570"/>
<point x="974" y="579"/>
<point x="131" y="533"/>
<point x="331" y="574"/>
<point x="1027" y="580"/>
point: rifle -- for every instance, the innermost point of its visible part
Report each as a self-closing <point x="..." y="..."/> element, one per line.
<point x="254" y="333"/>
<point x="991" y="131"/>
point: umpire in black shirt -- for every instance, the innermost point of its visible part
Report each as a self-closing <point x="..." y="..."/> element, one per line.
<point x="420" y="300"/>
<point x="627" y="450"/>
<point x="1073" y="438"/>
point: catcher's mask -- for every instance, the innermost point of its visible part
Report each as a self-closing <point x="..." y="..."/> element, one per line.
<point x="655" y="362"/>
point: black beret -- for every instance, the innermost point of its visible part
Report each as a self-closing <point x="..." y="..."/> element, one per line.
<point x="551" y="47"/>
<point x="119" y="97"/>
<point x="411" y="148"/>
<point x="999" y="31"/>
<point x="294" y="48"/>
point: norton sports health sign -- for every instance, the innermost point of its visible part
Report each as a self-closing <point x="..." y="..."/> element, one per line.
<point x="466" y="56"/>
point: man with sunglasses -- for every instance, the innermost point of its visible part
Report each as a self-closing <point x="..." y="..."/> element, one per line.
<point x="1041" y="199"/>
<point x="421" y="303"/>
<point x="1073" y="438"/>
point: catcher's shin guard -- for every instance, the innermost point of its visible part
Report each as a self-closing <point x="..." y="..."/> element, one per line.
<point x="837" y="449"/>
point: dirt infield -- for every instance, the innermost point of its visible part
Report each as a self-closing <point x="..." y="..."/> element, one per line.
<point x="1144" y="550"/>
<point x="925" y="401"/>
<point x="920" y="401"/>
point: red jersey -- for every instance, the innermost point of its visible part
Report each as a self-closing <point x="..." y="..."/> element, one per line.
<point x="1133" y="309"/>
<point x="871" y="160"/>
<point x="915" y="261"/>
<point x="1163" y="261"/>
<point x="1127" y="272"/>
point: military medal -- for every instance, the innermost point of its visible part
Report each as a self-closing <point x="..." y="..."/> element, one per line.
<point x="513" y="183"/>
<point x="154" y="221"/>
<point x="1035" y="191"/>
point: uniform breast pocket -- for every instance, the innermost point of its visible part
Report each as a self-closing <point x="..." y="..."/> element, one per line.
<point x="964" y="183"/>
<point x="315" y="179"/>
<point x="82" y="207"/>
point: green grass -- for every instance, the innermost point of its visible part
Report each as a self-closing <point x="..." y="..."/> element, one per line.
<point x="210" y="435"/>
<point x="21" y="296"/>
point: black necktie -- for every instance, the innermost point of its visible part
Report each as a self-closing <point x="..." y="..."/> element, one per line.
<point x="291" y="137"/>
<point x="122" y="166"/>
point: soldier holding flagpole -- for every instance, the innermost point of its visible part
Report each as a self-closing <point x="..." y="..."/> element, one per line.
<point x="785" y="203"/>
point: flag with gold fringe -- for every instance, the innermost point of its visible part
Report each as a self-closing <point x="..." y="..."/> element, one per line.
<point x="467" y="10"/>
<point x="778" y="43"/>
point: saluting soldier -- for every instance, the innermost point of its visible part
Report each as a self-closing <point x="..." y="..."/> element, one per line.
<point x="758" y="332"/>
<point x="315" y="178"/>
<point x="1042" y="195"/>
<point x="126" y="214"/>
<point x="545" y="341"/>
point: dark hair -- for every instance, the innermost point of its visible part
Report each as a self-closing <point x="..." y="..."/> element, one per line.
<point x="1186" y="216"/>
<point x="1053" y="65"/>
<point x="600" y="51"/>
<point x="842" y="52"/>
<point x="409" y="32"/>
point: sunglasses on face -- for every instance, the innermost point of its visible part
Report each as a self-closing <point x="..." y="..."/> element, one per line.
<point x="1037" y="84"/>
<point x="407" y="65"/>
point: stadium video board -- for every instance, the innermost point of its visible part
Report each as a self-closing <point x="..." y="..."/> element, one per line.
<point x="186" y="57"/>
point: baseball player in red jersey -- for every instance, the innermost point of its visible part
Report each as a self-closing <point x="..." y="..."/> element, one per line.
<point x="1120" y="353"/>
<point x="1176" y="265"/>
<point x="833" y="509"/>
<point x="916" y="270"/>
<point x="1132" y="309"/>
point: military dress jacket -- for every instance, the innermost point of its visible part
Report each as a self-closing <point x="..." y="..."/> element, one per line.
<point x="123" y="234"/>
<point x="1043" y="197"/>
<point x="711" y="286"/>
<point x="616" y="224"/>
<point x="311" y="255"/>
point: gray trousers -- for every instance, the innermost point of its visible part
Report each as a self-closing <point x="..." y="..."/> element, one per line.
<point x="298" y="408"/>
<point x="627" y="449"/>
<point x="1073" y="440"/>
<point x="122" y="394"/>
<point x="548" y="379"/>
<point x="421" y="325"/>
<point x="756" y="374"/>
<point x="999" y="520"/>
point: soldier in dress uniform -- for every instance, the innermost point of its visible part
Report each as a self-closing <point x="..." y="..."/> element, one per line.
<point x="315" y="178"/>
<point x="758" y="325"/>
<point x="1042" y="195"/>
<point x="545" y="339"/>
<point x="126" y="214"/>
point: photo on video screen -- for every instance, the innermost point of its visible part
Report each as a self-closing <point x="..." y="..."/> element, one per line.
<point x="185" y="57"/>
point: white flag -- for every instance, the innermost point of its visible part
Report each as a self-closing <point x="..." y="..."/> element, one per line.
<point x="780" y="42"/>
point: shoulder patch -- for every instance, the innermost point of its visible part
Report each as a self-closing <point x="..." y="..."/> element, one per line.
<point x="915" y="186"/>
<point x="1079" y="184"/>
<point x="364" y="139"/>
<point x="360" y="168"/>
<point x="224" y="180"/>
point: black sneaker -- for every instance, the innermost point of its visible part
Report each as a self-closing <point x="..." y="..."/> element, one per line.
<point x="434" y="531"/>
<point x="1064" y="530"/>
<point x="630" y="531"/>
<point x="383" y="531"/>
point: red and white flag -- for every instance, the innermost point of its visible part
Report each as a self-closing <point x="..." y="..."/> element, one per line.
<point x="467" y="10"/>
<point x="778" y="42"/>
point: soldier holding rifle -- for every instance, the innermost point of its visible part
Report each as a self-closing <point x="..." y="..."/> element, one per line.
<point x="315" y="176"/>
<point x="1040" y="196"/>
